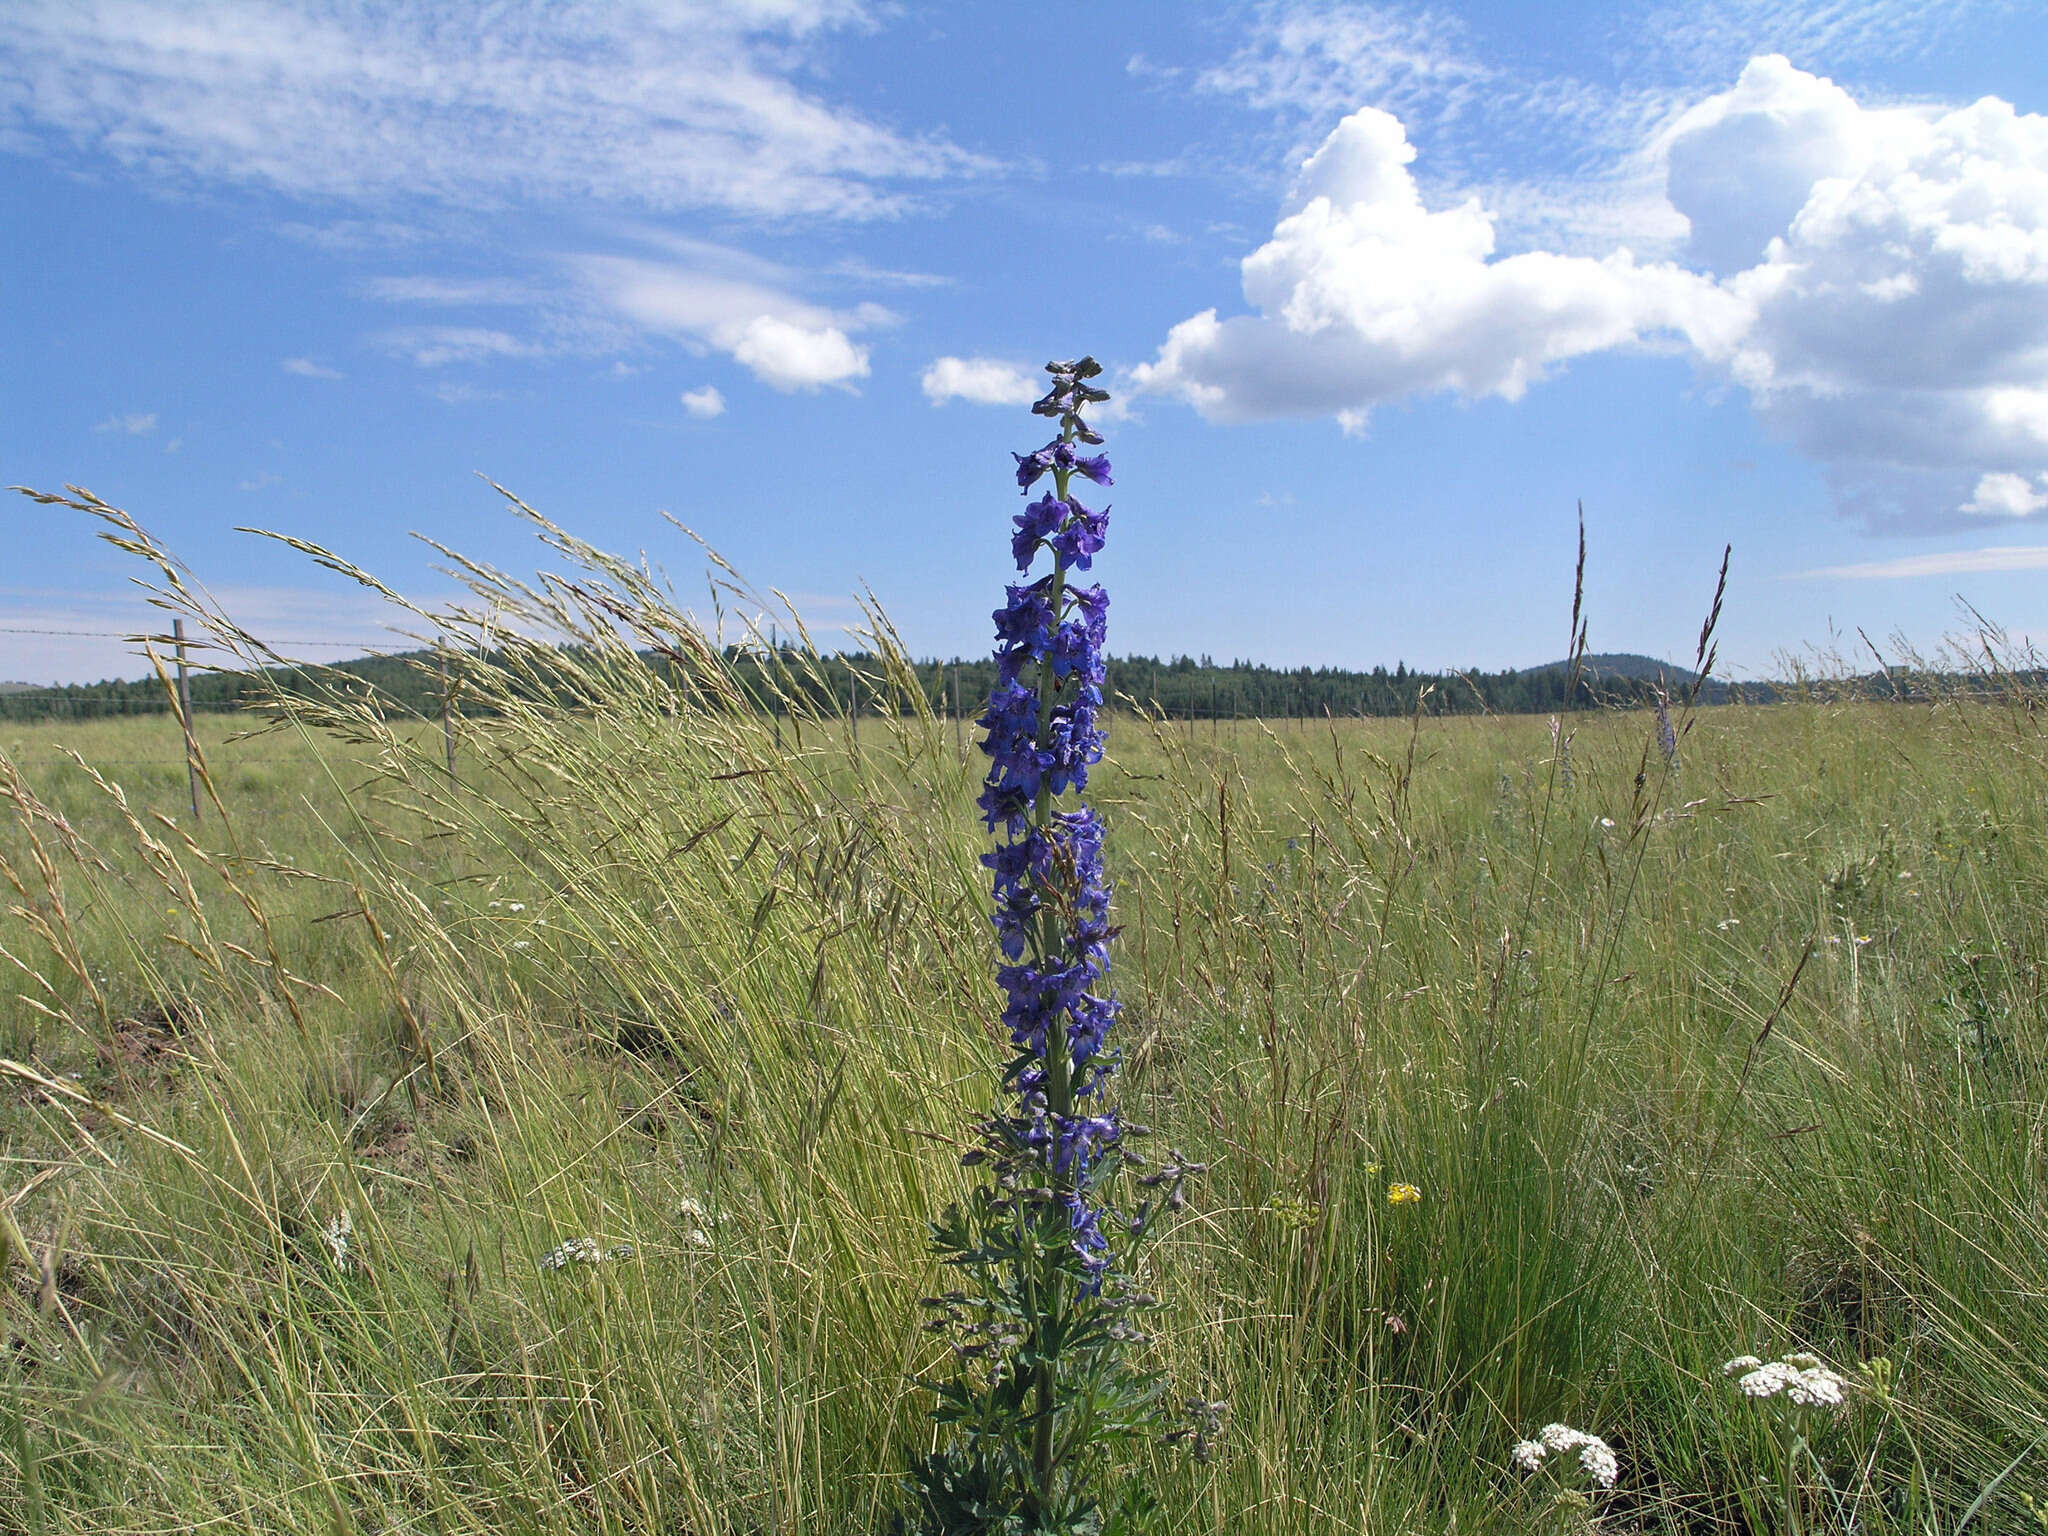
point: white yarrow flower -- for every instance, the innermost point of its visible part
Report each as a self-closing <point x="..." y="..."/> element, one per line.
<point x="584" y="1250"/>
<point x="339" y="1230"/>
<point x="1800" y="1378"/>
<point x="1768" y="1380"/>
<point x="1596" y="1457"/>
<point x="1816" y="1387"/>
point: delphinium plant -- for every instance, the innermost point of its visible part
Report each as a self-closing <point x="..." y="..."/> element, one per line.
<point x="1047" y="1310"/>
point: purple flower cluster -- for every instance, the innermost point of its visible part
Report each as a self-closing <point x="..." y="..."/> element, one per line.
<point x="1051" y="897"/>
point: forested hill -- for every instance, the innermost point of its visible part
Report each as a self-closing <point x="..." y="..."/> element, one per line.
<point x="1184" y="687"/>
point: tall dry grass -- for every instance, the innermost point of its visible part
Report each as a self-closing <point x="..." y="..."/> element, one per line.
<point x="1742" y="1057"/>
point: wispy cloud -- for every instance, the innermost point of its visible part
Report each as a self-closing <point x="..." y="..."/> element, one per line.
<point x="1958" y="562"/>
<point x="1709" y="37"/>
<point x="429" y="289"/>
<point x="306" y="368"/>
<point x="786" y="342"/>
<point x="134" y="424"/>
<point x="689" y="105"/>
<point x="701" y="294"/>
<point x="262" y="480"/>
<point x="355" y="236"/>
<point x="435" y="346"/>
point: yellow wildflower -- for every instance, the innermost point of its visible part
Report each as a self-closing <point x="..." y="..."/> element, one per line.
<point x="1403" y="1194"/>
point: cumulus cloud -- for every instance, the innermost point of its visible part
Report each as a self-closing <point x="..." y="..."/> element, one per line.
<point x="1876" y="278"/>
<point x="983" y="380"/>
<point x="306" y="368"/>
<point x="664" y="106"/>
<point x="2007" y="495"/>
<point x="704" y="403"/>
<point x="1898" y="327"/>
<point x="134" y="424"/>
<point x="1364" y="295"/>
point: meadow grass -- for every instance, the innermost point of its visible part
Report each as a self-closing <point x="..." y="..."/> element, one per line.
<point x="1742" y="1058"/>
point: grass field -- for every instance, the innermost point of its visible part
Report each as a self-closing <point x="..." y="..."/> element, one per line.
<point x="1745" y="1057"/>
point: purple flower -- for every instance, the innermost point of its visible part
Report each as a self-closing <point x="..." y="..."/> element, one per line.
<point x="1031" y="465"/>
<point x="1035" y="524"/>
<point x="1051" y="896"/>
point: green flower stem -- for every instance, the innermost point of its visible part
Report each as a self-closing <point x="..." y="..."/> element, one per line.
<point x="1059" y="1072"/>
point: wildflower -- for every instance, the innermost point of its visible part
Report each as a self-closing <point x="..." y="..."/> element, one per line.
<point x="1043" y="1385"/>
<point x="1667" y="738"/>
<point x="1801" y="1379"/>
<point x="340" y="1228"/>
<point x="584" y="1250"/>
<point x="1403" y="1194"/>
<point x="1596" y="1458"/>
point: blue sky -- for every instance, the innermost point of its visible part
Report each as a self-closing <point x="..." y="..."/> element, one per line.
<point x="1385" y="291"/>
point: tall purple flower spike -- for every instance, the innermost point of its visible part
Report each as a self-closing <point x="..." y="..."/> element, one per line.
<point x="1041" y="738"/>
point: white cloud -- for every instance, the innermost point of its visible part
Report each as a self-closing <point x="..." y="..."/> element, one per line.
<point x="788" y="354"/>
<point x="1364" y="295"/>
<point x="686" y="104"/>
<point x="1876" y="279"/>
<point x="483" y="291"/>
<point x="1711" y="37"/>
<point x="1960" y="562"/>
<point x="306" y="368"/>
<point x="262" y="480"/>
<point x="434" y="346"/>
<point x="1323" y="60"/>
<point x="1555" y="159"/>
<point x="1899" y="329"/>
<point x="703" y="295"/>
<point x="134" y="424"/>
<point x="2007" y="495"/>
<point x="983" y="380"/>
<point x="353" y="236"/>
<point x="785" y="342"/>
<point x="704" y="403"/>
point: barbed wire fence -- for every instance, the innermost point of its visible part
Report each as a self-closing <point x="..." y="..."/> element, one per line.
<point x="87" y="705"/>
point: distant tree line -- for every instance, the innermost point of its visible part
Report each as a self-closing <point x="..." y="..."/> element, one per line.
<point x="1184" y="687"/>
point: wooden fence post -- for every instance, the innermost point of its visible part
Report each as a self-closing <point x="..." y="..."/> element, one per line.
<point x="448" y="718"/>
<point x="185" y="718"/>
